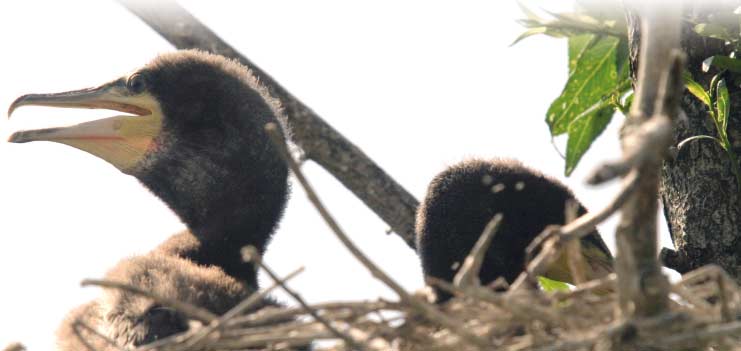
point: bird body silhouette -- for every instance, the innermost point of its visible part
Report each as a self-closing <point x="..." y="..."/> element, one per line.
<point x="462" y="199"/>
<point x="195" y="138"/>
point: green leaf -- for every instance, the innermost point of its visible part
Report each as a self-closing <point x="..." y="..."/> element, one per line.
<point x="695" y="88"/>
<point x="622" y="60"/>
<point x="582" y="133"/>
<point x="722" y="62"/>
<point x="550" y="285"/>
<point x="712" y="30"/>
<point x="724" y="105"/>
<point x="594" y="77"/>
<point x="578" y="44"/>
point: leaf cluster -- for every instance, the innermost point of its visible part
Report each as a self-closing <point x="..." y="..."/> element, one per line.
<point x="599" y="83"/>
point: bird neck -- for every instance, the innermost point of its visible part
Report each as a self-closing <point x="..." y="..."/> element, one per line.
<point x="228" y="200"/>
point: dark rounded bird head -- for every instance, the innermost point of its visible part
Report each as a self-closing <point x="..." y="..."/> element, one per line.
<point x="194" y="135"/>
<point x="461" y="200"/>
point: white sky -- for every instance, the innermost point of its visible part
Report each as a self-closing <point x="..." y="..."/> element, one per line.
<point x="419" y="85"/>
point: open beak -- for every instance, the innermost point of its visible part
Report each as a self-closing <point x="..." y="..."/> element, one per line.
<point x="121" y="140"/>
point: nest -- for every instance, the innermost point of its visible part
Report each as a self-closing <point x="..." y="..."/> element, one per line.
<point x="704" y="314"/>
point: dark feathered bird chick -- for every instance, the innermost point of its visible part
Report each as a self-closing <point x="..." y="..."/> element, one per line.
<point x="194" y="135"/>
<point x="461" y="200"/>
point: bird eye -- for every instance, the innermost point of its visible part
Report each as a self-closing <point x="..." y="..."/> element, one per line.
<point x="135" y="83"/>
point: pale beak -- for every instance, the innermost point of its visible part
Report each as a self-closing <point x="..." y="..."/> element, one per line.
<point x="123" y="141"/>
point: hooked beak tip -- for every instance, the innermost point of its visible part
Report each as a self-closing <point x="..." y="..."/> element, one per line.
<point x="16" y="104"/>
<point x="16" y="137"/>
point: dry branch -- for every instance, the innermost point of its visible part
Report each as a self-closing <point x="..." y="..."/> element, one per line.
<point x="250" y="254"/>
<point x="428" y="311"/>
<point x="554" y="239"/>
<point x="319" y="141"/>
<point x="643" y="289"/>
<point x="468" y="274"/>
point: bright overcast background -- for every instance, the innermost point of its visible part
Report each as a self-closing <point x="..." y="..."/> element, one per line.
<point x="417" y="85"/>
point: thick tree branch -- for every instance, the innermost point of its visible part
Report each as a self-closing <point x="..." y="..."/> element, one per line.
<point x="320" y="142"/>
<point x="642" y="288"/>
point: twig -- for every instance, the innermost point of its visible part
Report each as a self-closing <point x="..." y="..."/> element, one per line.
<point x="192" y="311"/>
<point x="575" y="260"/>
<point x="592" y="285"/>
<point x="641" y="147"/>
<point x="106" y="339"/>
<point x="250" y="254"/>
<point x="264" y="315"/>
<point x="468" y="274"/>
<point x="320" y="142"/>
<point x="693" y="337"/>
<point x="574" y="230"/>
<point x="425" y="309"/>
<point x="254" y="299"/>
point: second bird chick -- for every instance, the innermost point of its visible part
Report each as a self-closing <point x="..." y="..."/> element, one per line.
<point x="461" y="200"/>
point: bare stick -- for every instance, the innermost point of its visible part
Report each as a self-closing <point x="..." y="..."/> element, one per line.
<point x="592" y="285"/>
<point x="320" y="142"/>
<point x="192" y="311"/>
<point x="288" y="312"/>
<point x="468" y="274"/>
<point x="254" y="299"/>
<point x="575" y="260"/>
<point x="249" y="254"/>
<point x="641" y="147"/>
<point x="80" y="324"/>
<point x="642" y="287"/>
<point x="572" y="231"/>
<point x="701" y="335"/>
<point x="428" y="311"/>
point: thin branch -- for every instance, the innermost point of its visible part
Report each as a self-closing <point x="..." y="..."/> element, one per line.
<point x="192" y="311"/>
<point x="468" y="274"/>
<point x="582" y="226"/>
<point x="607" y="281"/>
<point x="576" y="263"/>
<point x="640" y="148"/>
<point x="320" y="142"/>
<point x="251" y="301"/>
<point x="428" y="311"/>
<point x="698" y="336"/>
<point x="250" y="254"/>
<point x="80" y="324"/>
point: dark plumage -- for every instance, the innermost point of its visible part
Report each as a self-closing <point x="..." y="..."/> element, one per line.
<point x="198" y="143"/>
<point x="461" y="200"/>
<point x="213" y="163"/>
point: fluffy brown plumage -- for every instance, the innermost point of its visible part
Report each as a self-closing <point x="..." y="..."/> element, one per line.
<point x="130" y="319"/>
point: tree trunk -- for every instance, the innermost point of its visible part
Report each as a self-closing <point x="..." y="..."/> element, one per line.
<point x="701" y="199"/>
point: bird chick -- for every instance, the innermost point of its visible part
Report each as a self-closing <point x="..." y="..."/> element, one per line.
<point x="194" y="136"/>
<point x="462" y="199"/>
